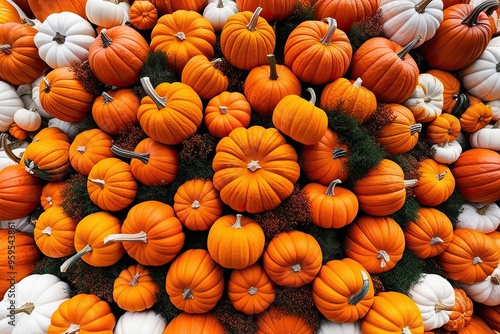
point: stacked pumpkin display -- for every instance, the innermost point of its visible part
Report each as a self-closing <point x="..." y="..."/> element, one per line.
<point x="253" y="166"/>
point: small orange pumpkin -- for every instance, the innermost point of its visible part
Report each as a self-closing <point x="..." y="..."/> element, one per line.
<point x="225" y="112"/>
<point x="88" y="148"/>
<point x="204" y="77"/>
<point x="444" y="129"/>
<point x="461" y="315"/>
<point x="134" y="289"/>
<point x="51" y="194"/>
<point x="476" y="116"/>
<point x="54" y="233"/>
<point x="48" y="159"/>
<point x="436" y="183"/>
<point x="143" y="14"/>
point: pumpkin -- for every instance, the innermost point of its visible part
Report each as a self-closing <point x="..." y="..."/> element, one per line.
<point x="107" y="14"/>
<point x="477" y="326"/>
<point x="326" y="327"/>
<point x="48" y="159"/>
<point x="23" y="224"/>
<point x="480" y="78"/>
<point x="69" y="128"/>
<point x="401" y="135"/>
<point x="51" y="133"/>
<point x="217" y="12"/>
<point x="169" y="6"/>
<point x="110" y="48"/>
<point x="349" y="97"/>
<point x="392" y="312"/>
<point x="143" y="14"/>
<point x="253" y="35"/>
<point x="145" y="322"/>
<point x="55" y="232"/>
<point x="345" y="12"/>
<point x="8" y="13"/>
<point x="266" y="85"/>
<point x="134" y="289"/>
<point x="115" y="109"/>
<point x="426" y="100"/>
<point x="429" y="234"/>
<point x="477" y="173"/>
<point x="63" y="96"/>
<point x="64" y="38"/>
<point x="111" y="184"/>
<point x="51" y="194"/>
<point x="150" y="234"/>
<point x="21" y="263"/>
<point x="194" y="282"/>
<point x="443" y="129"/>
<point x="19" y="59"/>
<point x="19" y="192"/>
<point x="476" y="116"/>
<point x="383" y="190"/>
<point x="31" y="303"/>
<point x="274" y="321"/>
<point x="28" y="120"/>
<point x="318" y="44"/>
<point x="326" y="160"/>
<point x="10" y="103"/>
<point x="17" y="132"/>
<point x="377" y="243"/>
<point x="88" y="148"/>
<point x="171" y="113"/>
<point x="435" y="298"/>
<point x="204" y="77"/>
<point x="482" y="217"/>
<point x="495" y="107"/>
<point x="470" y="257"/>
<point x="435" y="184"/>
<point x="331" y="206"/>
<point x="300" y="119"/>
<point x="275" y="11"/>
<point x="204" y="323"/>
<point x="403" y="20"/>
<point x="490" y="315"/>
<point x="451" y="88"/>
<point x="343" y="290"/>
<point x="386" y="68"/>
<point x="83" y="313"/>
<point x="487" y="291"/>
<point x="197" y="204"/>
<point x="225" y="112"/>
<point x="182" y="35"/>
<point x="256" y="163"/>
<point x="486" y="137"/>
<point x="89" y="241"/>
<point x="250" y="290"/>
<point x="466" y="30"/>
<point x="461" y="315"/>
<point x="43" y="9"/>
<point x="152" y="163"/>
<point x="292" y="258"/>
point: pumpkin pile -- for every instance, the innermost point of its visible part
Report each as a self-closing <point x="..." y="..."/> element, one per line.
<point x="249" y="166"/>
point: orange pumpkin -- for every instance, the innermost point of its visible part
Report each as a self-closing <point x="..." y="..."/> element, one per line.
<point x="143" y="14"/>
<point x="346" y="12"/>
<point x="461" y="315"/>
<point x="476" y="116"/>
<point x="225" y="112"/>
<point x="436" y="183"/>
<point x="43" y="9"/>
<point x="51" y="133"/>
<point x="48" y="159"/>
<point x="490" y="315"/>
<point x="271" y="11"/>
<point x="451" y="88"/>
<point x="9" y="13"/>
<point x="477" y="325"/>
<point x="204" y="77"/>
<point x="54" y="233"/>
<point x="88" y="148"/>
<point x="273" y="321"/>
<point x="444" y="129"/>
<point x="116" y="109"/>
<point x="51" y="194"/>
<point x="134" y="289"/>
<point x="204" y="323"/>
<point x="17" y="132"/>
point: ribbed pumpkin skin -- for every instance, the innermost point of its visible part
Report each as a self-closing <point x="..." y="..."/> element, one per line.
<point x="88" y="148"/>
<point x="143" y="14"/>
<point x="55" y="232"/>
<point x="477" y="325"/>
<point x="272" y="11"/>
<point x="477" y="175"/>
<point x="451" y="88"/>
<point x="445" y="128"/>
<point x="8" y="12"/>
<point x="86" y="310"/>
<point x="51" y="194"/>
<point x="48" y="159"/>
<point x="343" y="291"/>
<point x="250" y="290"/>
<point x="476" y="116"/>
<point x="436" y="183"/>
<point x="346" y="12"/>
<point x="273" y="321"/>
<point x="204" y="77"/>
<point x="116" y="109"/>
<point x="461" y="315"/>
<point x="19" y="192"/>
<point x="194" y="273"/>
<point x="185" y="323"/>
<point x="20" y="63"/>
<point x="42" y="9"/>
<point x="134" y="289"/>
<point x="246" y="149"/>
<point x="51" y="133"/>
<point x="490" y="315"/>
<point x="225" y="112"/>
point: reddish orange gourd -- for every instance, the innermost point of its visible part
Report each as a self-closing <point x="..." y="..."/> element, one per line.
<point x="143" y="14"/>
<point x="51" y="194"/>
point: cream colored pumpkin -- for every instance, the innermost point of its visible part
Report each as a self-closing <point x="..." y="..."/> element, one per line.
<point x="35" y="97"/>
<point x="426" y="101"/>
<point x="107" y="14"/>
<point x="486" y="292"/>
<point x="487" y="137"/>
<point x="482" y="217"/>
<point x="145" y="322"/>
<point x="71" y="129"/>
<point x="10" y="102"/>
<point x="218" y="11"/>
<point x="446" y="153"/>
<point x="495" y="108"/>
<point x="28" y="119"/>
<point x="330" y="327"/>
<point x="481" y="78"/>
<point x="21" y="224"/>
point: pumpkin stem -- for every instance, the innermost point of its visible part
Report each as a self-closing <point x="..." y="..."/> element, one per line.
<point x="406" y="330"/>
<point x="410" y="183"/>
<point x="252" y="291"/>
<point x="357" y="83"/>
<point x="59" y="38"/>
<point x="106" y="41"/>
<point x="476" y="260"/>
<point x="107" y="98"/>
<point x="216" y="61"/>
<point x="332" y="26"/>
<point x="420" y="7"/>
<point x="440" y="306"/>
<point x="295" y="268"/>
<point x="195" y="205"/>
<point x="223" y="110"/>
<point x="26" y="308"/>
<point x="7" y="148"/>
<point x="49" y="200"/>
<point x="384" y="258"/>
<point x="123" y="237"/>
<point x="252" y="25"/>
<point x="47" y="87"/>
<point x="339" y="153"/>
<point x="313" y="95"/>
<point x="135" y="279"/>
<point x="72" y="329"/>
<point x="187" y="294"/>
<point x="98" y="182"/>
<point x="358" y="296"/>
<point x="237" y="223"/>
<point x="143" y="157"/>
<point x="442" y="175"/>
<point x="402" y="54"/>
<point x="47" y="230"/>
<point x="81" y="149"/>
<point x="253" y="165"/>
<point x="488" y="7"/>
<point x="27" y="21"/>
<point x="497" y="67"/>
<point x="75" y="258"/>
<point x="495" y="279"/>
<point x="181" y="36"/>
<point x="415" y="128"/>
<point x="483" y="209"/>
<point x="273" y="73"/>
<point x="161" y="102"/>
<point x="6" y="48"/>
<point x="329" y="191"/>
<point x="436" y="240"/>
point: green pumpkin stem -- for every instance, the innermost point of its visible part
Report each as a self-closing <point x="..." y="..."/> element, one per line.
<point x="59" y="38"/>
<point x="106" y="41"/>
<point x="26" y="308"/>
<point x="252" y="25"/>
<point x="273" y="73"/>
<point x="402" y="54"/>
<point x="143" y="157"/>
<point x="421" y="6"/>
<point x="488" y="7"/>
<point x="330" y="190"/>
<point x="332" y="26"/>
<point x="358" y="296"/>
<point x="123" y="237"/>
<point x="75" y="258"/>
<point x="161" y="102"/>
<point x="6" y="147"/>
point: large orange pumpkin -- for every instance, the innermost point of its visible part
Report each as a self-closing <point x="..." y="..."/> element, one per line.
<point x="48" y="159"/>
<point x="204" y="76"/>
<point x="346" y="12"/>
<point x="115" y="109"/>
<point x="55" y="233"/>
<point x="271" y="11"/>
<point x="42" y="9"/>
<point x="435" y="184"/>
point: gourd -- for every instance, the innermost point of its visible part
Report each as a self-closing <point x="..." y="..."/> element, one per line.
<point x="217" y="12"/>
<point x="107" y="14"/>
<point x="88" y="148"/>
<point x="483" y="217"/>
<point x="145" y="322"/>
<point x="134" y="289"/>
<point x="487" y="291"/>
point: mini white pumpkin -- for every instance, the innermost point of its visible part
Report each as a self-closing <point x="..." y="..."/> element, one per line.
<point x="495" y="108"/>
<point x="218" y="11"/>
<point x="71" y="129"/>
<point x="329" y="327"/>
<point x="21" y="224"/>
<point x="145" y="322"/>
<point x="107" y="13"/>
<point x="64" y="38"/>
<point x="481" y="78"/>
<point x="28" y="119"/>
<point x="427" y="100"/>
<point x="486" y="292"/>
<point x="36" y="297"/>
<point x="446" y="153"/>
<point x="10" y="102"/>
<point x="435" y="298"/>
<point x="482" y="217"/>
<point x="495" y="41"/>
<point x="487" y="137"/>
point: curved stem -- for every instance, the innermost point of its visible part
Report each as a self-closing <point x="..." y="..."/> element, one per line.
<point x="415" y="128"/>
<point x="313" y="95"/>
<point x="122" y="237"/>
<point x="59" y="38"/>
<point x="98" y="182"/>
<point x="106" y="41"/>
<point x="330" y="190"/>
<point x="436" y="240"/>
<point x="6" y="48"/>
<point x="332" y="26"/>
<point x="161" y="102"/>
<point x="143" y="157"/>
<point x="421" y="6"/>
<point x="410" y="183"/>
<point x="254" y="165"/>
<point x="26" y="308"/>
<point x="488" y="7"/>
<point x="384" y="258"/>
<point x="440" y="306"/>
<point x="135" y="279"/>
<point x="483" y="209"/>
<point x="107" y="98"/>
<point x="75" y="258"/>
<point x="47" y="230"/>
<point x="358" y="296"/>
<point x="271" y="60"/>
<point x="7" y="149"/>
<point x="339" y="153"/>
<point x="357" y="83"/>
<point x="252" y="25"/>
<point x="402" y="54"/>
<point x="237" y="223"/>
<point x="72" y="329"/>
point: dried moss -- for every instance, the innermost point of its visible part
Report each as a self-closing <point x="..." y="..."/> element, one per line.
<point x="236" y="77"/>
<point x="365" y="29"/>
<point x="86" y="77"/>
<point x="298" y="302"/>
<point x="76" y="201"/>
<point x="452" y="207"/>
<point x="234" y="322"/>
<point x="128" y="137"/>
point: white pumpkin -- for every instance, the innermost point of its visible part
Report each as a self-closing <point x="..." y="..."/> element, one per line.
<point x="487" y="137"/>
<point x="28" y="119"/>
<point x="435" y="298"/>
<point x="69" y="128"/>
<point x="218" y="11"/>
<point x="446" y="153"/>
<point x="21" y="224"/>
<point x="10" y="152"/>
<point x="34" y="300"/>
<point x="404" y="20"/>
<point x="64" y="38"/>
<point x="482" y="217"/>
<point x="495" y="41"/>
<point x="10" y="102"/>
<point x="329" y="327"/>
<point x="486" y="292"/>
<point x="428" y="94"/>
<point x="481" y="78"/>
<point x="35" y="96"/>
<point x="107" y="14"/>
<point x="495" y="108"/>
<point x="145" y="322"/>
